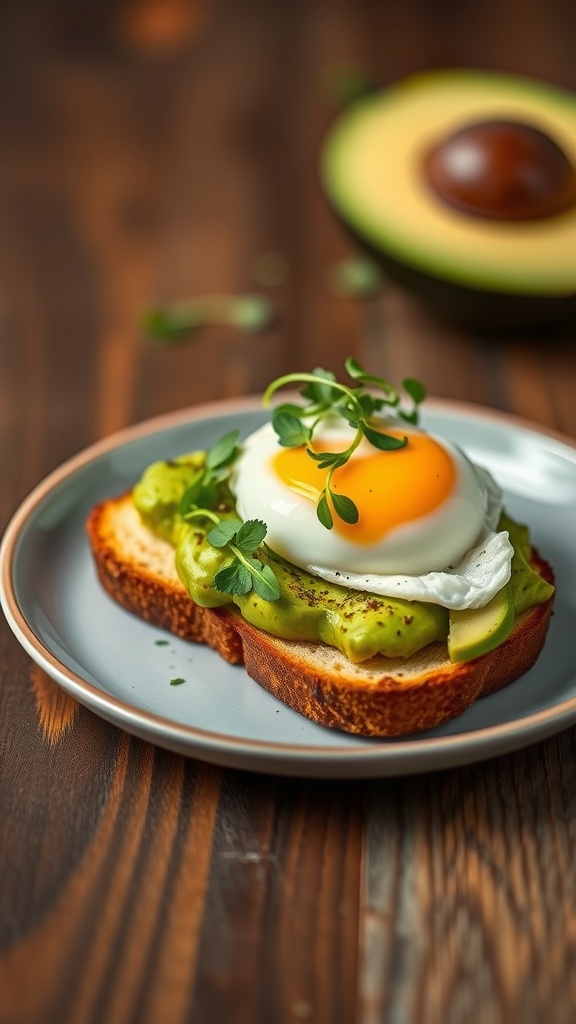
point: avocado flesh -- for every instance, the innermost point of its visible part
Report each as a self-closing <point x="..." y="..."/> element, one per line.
<point x="358" y="624"/>
<point x="476" y="631"/>
<point x="158" y="494"/>
<point x="372" y="174"/>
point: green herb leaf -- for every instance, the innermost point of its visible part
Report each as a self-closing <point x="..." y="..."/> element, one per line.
<point x="291" y="409"/>
<point x="172" y="324"/>
<point x="324" y="459"/>
<point x="345" y="507"/>
<point x="202" y="494"/>
<point x="176" y="322"/>
<point x="414" y="388"/>
<point x="417" y="392"/>
<point x="368" y="405"/>
<point x="233" y="579"/>
<point x="319" y="390"/>
<point x="252" y="563"/>
<point x="265" y="584"/>
<point x="188" y="500"/>
<point x="221" y="534"/>
<point x="223" y="451"/>
<point x="245" y="572"/>
<point x="250" y="536"/>
<point x="331" y="464"/>
<point x="355" y="278"/>
<point x="326" y="397"/>
<point x="353" y="368"/>
<point x="207" y="495"/>
<point x="409" y="417"/>
<point x="324" y="514"/>
<point x="251" y="313"/>
<point x="291" y="432"/>
<point x="355" y="371"/>
<point x="384" y="442"/>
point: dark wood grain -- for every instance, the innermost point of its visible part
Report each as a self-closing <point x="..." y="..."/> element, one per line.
<point x="468" y="882"/>
<point x="152" y="150"/>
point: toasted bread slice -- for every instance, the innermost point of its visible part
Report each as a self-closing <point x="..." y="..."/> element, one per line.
<point x="380" y="697"/>
<point x="138" y="571"/>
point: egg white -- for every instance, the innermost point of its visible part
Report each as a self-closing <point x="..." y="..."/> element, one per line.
<point x="452" y="556"/>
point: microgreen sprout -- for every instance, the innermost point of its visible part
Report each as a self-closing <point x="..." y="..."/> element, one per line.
<point x="245" y="571"/>
<point x="355" y="278"/>
<point x="176" y="322"/>
<point x="359" y="405"/>
<point x="203" y="492"/>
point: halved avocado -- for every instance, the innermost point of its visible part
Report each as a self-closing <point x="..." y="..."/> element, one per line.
<point x="512" y="266"/>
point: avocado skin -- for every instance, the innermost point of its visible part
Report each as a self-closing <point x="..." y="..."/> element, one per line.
<point x="475" y="309"/>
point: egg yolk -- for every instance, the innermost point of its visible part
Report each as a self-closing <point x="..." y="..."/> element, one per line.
<point x="389" y="488"/>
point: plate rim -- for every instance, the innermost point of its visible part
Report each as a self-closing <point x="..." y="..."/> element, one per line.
<point x="366" y="759"/>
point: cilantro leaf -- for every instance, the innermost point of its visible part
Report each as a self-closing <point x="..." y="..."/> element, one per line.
<point x="233" y="579"/>
<point x="250" y="536"/>
<point x="245" y="572"/>
<point x="265" y="584"/>
<point x="224" y="531"/>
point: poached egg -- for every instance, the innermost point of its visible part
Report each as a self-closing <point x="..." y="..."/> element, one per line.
<point x="427" y="526"/>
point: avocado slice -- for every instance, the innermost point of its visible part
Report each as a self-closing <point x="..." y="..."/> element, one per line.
<point x="489" y="270"/>
<point x="478" y="630"/>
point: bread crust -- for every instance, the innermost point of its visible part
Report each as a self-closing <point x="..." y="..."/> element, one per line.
<point x="382" y="697"/>
<point x="137" y="570"/>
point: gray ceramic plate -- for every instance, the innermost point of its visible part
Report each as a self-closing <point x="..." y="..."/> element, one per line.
<point x="115" y="664"/>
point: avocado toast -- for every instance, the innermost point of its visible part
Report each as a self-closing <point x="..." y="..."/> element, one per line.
<point x="371" y="658"/>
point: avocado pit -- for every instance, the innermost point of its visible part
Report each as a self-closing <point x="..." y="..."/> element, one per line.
<point x="502" y="170"/>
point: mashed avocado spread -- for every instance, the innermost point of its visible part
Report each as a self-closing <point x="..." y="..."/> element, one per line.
<point x="358" y="624"/>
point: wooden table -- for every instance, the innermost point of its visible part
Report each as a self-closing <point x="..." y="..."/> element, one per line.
<point x="154" y="150"/>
